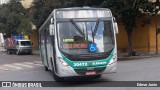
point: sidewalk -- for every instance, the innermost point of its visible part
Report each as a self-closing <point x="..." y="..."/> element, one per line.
<point x="36" y="52"/>
<point x="1" y="49"/>
<point x="124" y="56"/>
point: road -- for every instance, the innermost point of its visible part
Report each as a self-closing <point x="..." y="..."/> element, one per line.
<point x="30" y="68"/>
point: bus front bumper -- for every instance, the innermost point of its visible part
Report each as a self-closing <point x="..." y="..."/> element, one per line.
<point x="69" y="71"/>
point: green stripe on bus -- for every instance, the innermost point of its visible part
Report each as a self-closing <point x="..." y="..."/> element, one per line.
<point x="88" y="63"/>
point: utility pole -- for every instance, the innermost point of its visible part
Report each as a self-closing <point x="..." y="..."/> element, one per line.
<point x="156" y="21"/>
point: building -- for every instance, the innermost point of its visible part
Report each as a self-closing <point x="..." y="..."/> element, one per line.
<point x="4" y="1"/>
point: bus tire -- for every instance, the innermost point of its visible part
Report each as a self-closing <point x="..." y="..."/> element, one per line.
<point x="95" y="76"/>
<point x="56" y="78"/>
<point x="98" y="76"/>
<point x="46" y="68"/>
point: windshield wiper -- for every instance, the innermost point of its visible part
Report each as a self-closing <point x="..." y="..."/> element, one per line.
<point x="96" y="27"/>
<point x="77" y="27"/>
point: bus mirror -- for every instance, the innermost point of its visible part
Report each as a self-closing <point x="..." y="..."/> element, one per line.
<point x="51" y="20"/>
<point x="116" y="27"/>
<point x="51" y="29"/>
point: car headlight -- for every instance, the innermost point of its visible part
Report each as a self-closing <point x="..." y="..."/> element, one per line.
<point x="114" y="59"/>
<point x="63" y="62"/>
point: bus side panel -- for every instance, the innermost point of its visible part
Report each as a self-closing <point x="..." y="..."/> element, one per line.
<point x="43" y="49"/>
<point x="49" y="47"/>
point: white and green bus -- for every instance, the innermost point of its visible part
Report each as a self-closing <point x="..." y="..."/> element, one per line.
<point x="79" y="41"/>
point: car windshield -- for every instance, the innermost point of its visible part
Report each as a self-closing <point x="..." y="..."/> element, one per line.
<point x="84" y="37"/>
<point x="25" y="43"/>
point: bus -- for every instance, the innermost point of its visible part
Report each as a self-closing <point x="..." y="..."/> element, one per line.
<point x="79" y="41"/>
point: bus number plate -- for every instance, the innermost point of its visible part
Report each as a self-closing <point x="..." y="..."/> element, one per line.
<point x="90" y="73"/>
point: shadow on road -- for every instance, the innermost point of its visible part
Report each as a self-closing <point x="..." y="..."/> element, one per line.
<point x="80" y="82"/>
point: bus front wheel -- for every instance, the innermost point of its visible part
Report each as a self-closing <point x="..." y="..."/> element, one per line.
<point x="46" y="68"/>
<point x="56" y="78"/>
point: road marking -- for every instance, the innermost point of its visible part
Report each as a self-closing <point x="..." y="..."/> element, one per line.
<point x="12" y="66"/>
<point x="38" y="62"/>
<point x="20" y="66"/>
<point x="33" y="64"/>
<point x="24" y="65"/>
<point x="2" y="68"/>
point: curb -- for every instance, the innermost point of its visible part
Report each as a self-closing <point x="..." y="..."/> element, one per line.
<point x="36" y="52"/>
<point x="136" y="57"/>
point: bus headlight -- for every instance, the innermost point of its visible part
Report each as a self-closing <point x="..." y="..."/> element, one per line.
<point x="63" y="62"/>
<point x="113" y="60"/>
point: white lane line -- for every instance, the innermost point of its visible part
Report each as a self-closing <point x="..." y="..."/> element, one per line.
<point x="11" y="66"/>
<point x="37" y="62"/>
<point x="2" y="68"/>
<point x="32" y="64"/>
<point x="23" y="65"/>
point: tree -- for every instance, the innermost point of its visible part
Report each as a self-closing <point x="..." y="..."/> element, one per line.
<point x="128" y="11"/>
<point x="24" y="26"/>
<point x="12" y="16"/>
<point x="41" y="9"/>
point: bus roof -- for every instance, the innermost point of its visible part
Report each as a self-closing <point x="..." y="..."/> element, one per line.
<point x="64" y="14"/>
<point x="82" y="8"/>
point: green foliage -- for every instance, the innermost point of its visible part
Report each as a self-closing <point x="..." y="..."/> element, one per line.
<point x="24" y="27"/>
<point x="41" y="9"/>
<point x="12" y="18"/>
<point x="127" y="11"/>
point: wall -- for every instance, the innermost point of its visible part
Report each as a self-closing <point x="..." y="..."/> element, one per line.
<point x="122" y="42"/>
<point x="153" y="34"/>
<point x="34" y="39"/>
<point x="141" y="36"/>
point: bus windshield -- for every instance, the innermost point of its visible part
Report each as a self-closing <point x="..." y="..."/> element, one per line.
<point x="85" y="37"/>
